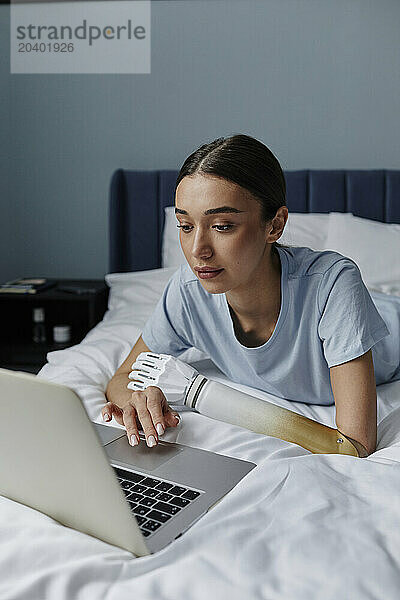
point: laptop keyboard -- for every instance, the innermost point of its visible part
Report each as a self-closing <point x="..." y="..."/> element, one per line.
<point x="153" y="501"/>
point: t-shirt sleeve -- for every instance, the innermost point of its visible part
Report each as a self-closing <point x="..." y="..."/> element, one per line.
<point x="168" y="330"/>
<point x="349" y="322"/>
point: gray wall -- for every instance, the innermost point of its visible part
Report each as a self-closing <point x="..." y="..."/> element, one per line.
<point x="7" y="233"/>
<point x="318" y="81"/>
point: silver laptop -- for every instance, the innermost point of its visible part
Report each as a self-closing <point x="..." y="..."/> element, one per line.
<point x="88" y="477"/>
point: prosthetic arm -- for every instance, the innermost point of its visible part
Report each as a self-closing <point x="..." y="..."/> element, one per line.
<point x="183" y="385"/>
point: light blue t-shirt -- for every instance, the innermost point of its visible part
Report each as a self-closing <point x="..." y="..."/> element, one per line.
<point x="327" y="317"/>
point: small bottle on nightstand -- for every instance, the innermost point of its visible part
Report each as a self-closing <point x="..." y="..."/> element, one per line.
<point x="62" y="334"/>
<point x="39" y="329"/>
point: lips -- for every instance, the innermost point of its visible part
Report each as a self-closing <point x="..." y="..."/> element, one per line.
<point x="206" y="269"/>
<point x="207" y="272"/>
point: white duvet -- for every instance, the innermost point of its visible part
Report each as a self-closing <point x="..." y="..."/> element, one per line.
<point x="299" y="526"/>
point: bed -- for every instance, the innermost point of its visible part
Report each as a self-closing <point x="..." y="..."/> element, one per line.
<point x="300" y="525"/>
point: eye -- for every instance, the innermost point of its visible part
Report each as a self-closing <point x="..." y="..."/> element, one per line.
<point x="223" y="227"/>
<point x="183" y="228"/>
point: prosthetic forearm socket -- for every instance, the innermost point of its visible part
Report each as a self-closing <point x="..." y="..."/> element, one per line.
<point x="183" y="385"/>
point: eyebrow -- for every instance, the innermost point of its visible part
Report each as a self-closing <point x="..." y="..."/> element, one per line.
<point x="212" y="211"/>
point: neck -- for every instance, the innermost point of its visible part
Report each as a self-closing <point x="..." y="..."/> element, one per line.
<point x="259" y="301"/>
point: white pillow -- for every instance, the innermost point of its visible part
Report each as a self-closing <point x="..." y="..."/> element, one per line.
<point x="137" y="291"/>
<point x="306" y="229"/>
<point x="171" y="251"/>
<point x="132" y="299"/>
<point x="374" y="247"/>
<point x="302" y="229"/>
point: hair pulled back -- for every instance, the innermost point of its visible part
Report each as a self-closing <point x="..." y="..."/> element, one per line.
<point x="245" y="161"/>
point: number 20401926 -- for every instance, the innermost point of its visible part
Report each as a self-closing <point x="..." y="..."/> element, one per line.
<point x="46" y="47"/>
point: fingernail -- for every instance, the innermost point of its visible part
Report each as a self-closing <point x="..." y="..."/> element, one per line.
<point x="178" y="418"/>
<point x="134" y="440"/>
<point x="106" y="417"/>
<point x="160" y="428"/>
<point x="151" y="441"/>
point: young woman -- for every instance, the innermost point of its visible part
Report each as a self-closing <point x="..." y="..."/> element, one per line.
<point x="296" y="323"/>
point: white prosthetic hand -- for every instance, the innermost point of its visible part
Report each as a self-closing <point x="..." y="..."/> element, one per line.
<point x="173" y="376"/>
<point x="182" y="385"/>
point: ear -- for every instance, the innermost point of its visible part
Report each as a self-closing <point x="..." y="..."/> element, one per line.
<point x="277" y="224"/>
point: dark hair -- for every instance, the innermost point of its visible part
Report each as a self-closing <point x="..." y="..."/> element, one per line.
<point x="246" y="162"/>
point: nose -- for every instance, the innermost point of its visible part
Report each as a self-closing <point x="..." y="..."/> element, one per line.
<point x="201" y="247"/>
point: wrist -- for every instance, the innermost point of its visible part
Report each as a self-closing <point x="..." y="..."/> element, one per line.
<point x="117" y="391"/>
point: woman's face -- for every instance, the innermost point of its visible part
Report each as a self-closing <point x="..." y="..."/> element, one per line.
<point x="221" y="228"/>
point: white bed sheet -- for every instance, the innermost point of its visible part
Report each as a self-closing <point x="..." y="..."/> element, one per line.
<point x="300" y="525"/>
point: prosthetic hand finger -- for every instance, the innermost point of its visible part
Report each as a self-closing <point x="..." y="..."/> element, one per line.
<point x="170" y="374"/>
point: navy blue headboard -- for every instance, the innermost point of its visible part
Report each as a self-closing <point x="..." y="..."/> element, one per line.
<point x="138" y="199"/>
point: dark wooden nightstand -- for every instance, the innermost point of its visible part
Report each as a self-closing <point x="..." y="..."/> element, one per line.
<point x="80" y="311"/>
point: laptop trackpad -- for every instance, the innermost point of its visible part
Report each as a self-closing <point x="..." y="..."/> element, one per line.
<point x="141" y="456"/>
<point x="107" y="434"/>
